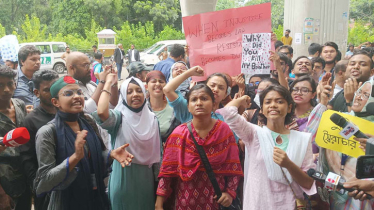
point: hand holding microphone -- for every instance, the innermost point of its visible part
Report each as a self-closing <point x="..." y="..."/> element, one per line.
<point x="320" y="177"/>
<point x="15" y="137"/>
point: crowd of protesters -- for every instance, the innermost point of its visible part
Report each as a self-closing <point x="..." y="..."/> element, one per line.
<point x="95" y="144"/>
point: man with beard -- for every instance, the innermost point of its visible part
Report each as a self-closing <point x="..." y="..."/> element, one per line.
<point x="29" y="60"/>
<point x="40" y="116"/>
<point x="359" y="70"/>
<point x="78" y="65"/>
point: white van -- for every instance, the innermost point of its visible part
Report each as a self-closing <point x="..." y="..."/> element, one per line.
<point x="50" y="56"/>
<point x="151" y="55"/>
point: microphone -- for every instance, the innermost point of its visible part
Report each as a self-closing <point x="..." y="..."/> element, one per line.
<point x="320" y="177"/>
<point x="15" y="137"/>
<point x="342" y="122"/>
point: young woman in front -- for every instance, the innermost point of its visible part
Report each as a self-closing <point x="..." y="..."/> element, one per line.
<point x="182" y="169"/>
<point x="277" y="156"/>
<point x="72" y="157"/>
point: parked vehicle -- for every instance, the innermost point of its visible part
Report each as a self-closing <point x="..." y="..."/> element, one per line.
<point x="50" y="56"/>
<point x="151" y="55"/>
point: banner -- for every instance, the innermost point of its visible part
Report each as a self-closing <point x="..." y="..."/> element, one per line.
<point x="215" y="38"/>
<point x="328" y="134"/>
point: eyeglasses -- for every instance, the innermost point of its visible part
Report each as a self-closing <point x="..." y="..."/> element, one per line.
<point x="86" y="66"/>
<point x="303" y="90"/>
<point x="70" y="93"/>
<point x="254" y="83"/>
<point x="362" y="94"/>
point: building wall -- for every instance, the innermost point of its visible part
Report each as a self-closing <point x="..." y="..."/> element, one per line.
<point x="193" y="7"/>
<point x="329" y="23"/>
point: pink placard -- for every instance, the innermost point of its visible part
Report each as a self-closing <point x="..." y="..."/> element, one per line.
<point x="215" y="38"/>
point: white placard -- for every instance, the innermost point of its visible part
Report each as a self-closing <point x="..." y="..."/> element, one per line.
<point x="255" y="53"/>
<point x="298" y="38"/>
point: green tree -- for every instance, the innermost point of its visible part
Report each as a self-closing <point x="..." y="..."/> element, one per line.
<point x="362" y="10"/>
<point x="228" y="4"/>
<point x="360" y="33"/>
<point x="32" y="29"/>
<point x="2" y="31"/>
<point x="277" y="10"/>
<point x="160" y="12"/>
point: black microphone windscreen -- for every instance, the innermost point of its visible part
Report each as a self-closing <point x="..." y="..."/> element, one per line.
<point x="338" y="120"/>
<point x="311" y="171"/>
<point x="370" y="108"/>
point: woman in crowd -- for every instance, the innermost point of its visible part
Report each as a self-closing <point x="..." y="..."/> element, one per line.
<point x="332" y="161"/>
<point x="182" y="164"/>
<point x="217" y="82"/>
<point x="155" y="82"/>
<point x="131" y="122"/>
<point x="177" y="69"/>
<point x="279" y="157"/>
<point x="73" y="160"/>
<point x="303" y="91"/>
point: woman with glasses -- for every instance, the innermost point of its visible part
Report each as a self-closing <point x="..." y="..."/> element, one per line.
<point x="73" y="160"/>
<point x="338" y="163"/>
<point x="177" y="69"/>
<point x="131" y="122"/>
<point x="303" y="91"/>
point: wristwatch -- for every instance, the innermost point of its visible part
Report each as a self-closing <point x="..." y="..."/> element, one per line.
<point x="102" y="81"/>
<point x="348" y="103"/>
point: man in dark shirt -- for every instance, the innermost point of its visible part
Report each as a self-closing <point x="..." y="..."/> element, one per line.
<point x="360" y="68"/>
<point x="13" y="188"/>
<point x="40" y="116"/>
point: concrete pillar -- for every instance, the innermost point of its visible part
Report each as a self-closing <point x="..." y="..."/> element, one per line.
<point x="193" y="7"/>
<point x="318" y="21"/>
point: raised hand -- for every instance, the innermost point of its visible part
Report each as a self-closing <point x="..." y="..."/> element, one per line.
<point x="350" y="87"/>
<point x="122" y="156"/>
<point x="196" y="71"/>
<point x="79" y="144"/>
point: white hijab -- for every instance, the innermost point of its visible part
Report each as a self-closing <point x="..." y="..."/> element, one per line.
<point x="140" y="129"/>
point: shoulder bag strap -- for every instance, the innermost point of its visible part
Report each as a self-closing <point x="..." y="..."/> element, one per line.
<point x="206" y="163"/>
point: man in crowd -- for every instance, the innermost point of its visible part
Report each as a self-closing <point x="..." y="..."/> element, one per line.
<point x="329" y="53"/>
<point x="133" y="54"/>
<point x="350" y="51"/>
<point x="66" y="53"/>
<point x="139" y="70"/>
<point x="286" y="39"/>
<point x="177" y="53"/>
<point x="287" y="50"/>
<point x="12" y="64"/>
<point x="318" y="66"/>
<point x="29" y="59"/>
<point x="94" y="49"/>
<point x="340" y="77"/>
<point x="40" y="116"/>
<point x="13" y="187"/>
<point x="118" y="59"/>
<point x="78" y="65"/>
<point x="360" y="69"/>
<point x="314" y="50"/>
<point x="97" y="65"/>
<point x="277" y="45"/>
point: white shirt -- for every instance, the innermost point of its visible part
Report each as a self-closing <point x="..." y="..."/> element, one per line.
<point x="120" y="51"/>
<point x="132" y="55"/>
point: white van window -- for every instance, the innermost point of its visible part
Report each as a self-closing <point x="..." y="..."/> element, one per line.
<point x="58" y="48"/>
<point x="106" y="41"/>
<point x="156" y="48"/>
<point x="44" y="49"/>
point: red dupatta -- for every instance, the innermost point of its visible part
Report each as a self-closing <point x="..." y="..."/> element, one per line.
<point x="181" y="158"/>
